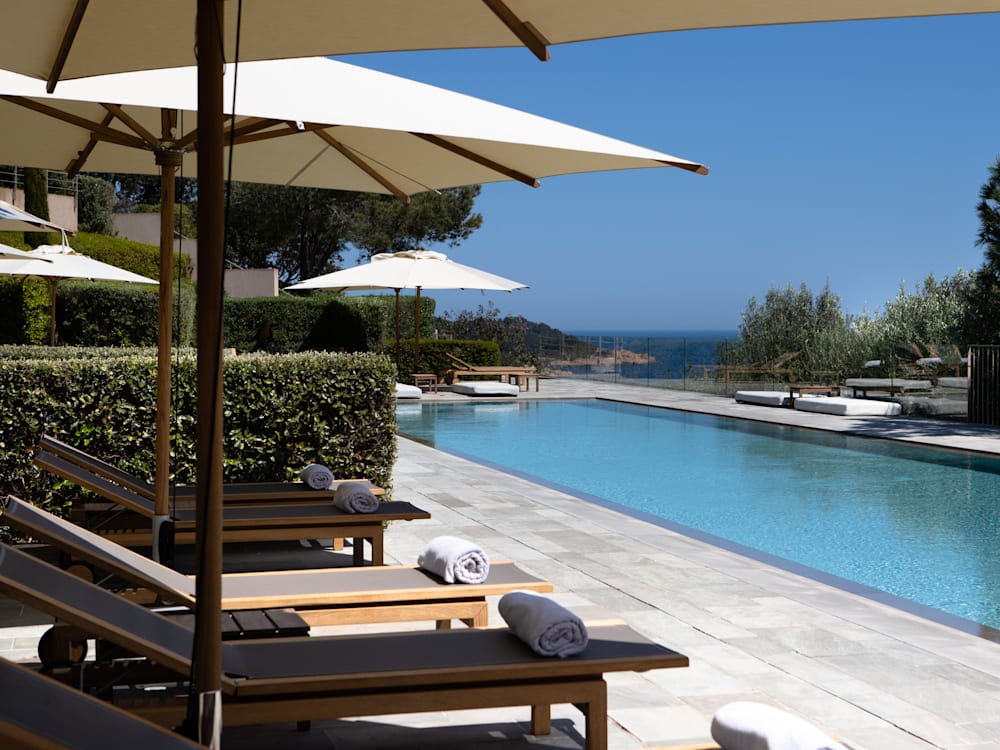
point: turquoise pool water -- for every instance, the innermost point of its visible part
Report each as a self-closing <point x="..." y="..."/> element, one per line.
<point x="915" y="523"/>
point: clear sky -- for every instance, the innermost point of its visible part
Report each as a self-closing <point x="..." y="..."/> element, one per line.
<point x="848" y="153"/>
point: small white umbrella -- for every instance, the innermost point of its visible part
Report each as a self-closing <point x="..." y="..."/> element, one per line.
<point x="410" y="269"/>
<point x="65" y="263"/>
<point x="14" y="219"/>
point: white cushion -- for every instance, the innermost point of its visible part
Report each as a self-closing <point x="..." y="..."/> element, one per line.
<point x="746" y="725"/>
<point x="485" y="388"/>
<point x="762" y="398"/>
<point x="849" y="407"/>
<point x="404" y="390"/>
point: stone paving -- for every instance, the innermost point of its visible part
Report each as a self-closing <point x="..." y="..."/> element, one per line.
<point x="877" y="676"/>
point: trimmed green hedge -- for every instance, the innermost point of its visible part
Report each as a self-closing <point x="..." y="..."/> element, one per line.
<point x="433" y="356"/>
<point x="282" y="412"/>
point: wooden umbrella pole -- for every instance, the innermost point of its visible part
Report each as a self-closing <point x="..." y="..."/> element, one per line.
<point x="207" y="681"/>
<point x="168" y="161"/>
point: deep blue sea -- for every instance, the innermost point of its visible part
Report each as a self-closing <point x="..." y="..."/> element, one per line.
<point x="674" y="353"/>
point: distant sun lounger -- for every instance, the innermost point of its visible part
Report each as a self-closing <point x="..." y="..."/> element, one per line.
<point x="301" y="679"/>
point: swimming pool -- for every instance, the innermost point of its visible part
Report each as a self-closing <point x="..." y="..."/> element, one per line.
<point x="915" y="523"/>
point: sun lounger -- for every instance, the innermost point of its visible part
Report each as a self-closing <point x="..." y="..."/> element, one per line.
<point x="297" y="679"/>
<point x="241" y="523"/>
<point x="321" y="597"/>
<point x="240" y="493"/>
<point x="512" y="375"/>
<point x="885" y="385"/>
<point x="39" y="713"/>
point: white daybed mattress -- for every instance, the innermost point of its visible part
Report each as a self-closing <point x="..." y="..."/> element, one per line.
<point x="762" y="398"/>
<point x="485" y="388"/>
<point x="404" y="390"/>
<point x="849" y="407"/>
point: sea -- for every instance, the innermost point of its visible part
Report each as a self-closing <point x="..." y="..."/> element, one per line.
<point x="664" y="354"/>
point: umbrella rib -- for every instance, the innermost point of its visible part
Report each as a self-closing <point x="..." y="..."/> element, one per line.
<point x="97" y="129"/>
<point x="132" y="123"/>
<point x="74" y="167"/>
<point x="363" y="165"/>
<point x="67" y="42"/>
<point x="250" y="134"/>
<point x="479" y="159"/>
<point x="242" y="132"/>
<point x="530" y="36"/>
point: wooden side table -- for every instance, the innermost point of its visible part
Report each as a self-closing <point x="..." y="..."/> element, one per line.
<point x="428" y="379"/>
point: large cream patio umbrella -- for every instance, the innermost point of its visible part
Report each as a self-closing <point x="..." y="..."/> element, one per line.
<point x="409" y="269"/>
<point x="55" y="262"/>
<point x="72" y="38"/>
<point x="306" y="122"/>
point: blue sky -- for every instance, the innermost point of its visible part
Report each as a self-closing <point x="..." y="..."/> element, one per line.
<point x="848" y="153"/>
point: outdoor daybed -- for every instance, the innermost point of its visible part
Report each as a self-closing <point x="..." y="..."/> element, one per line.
<point x="763" y="398"/>
<point x="485" y="388"/>
<point x="848" y="407"/>
<point x="337" y="596"/>
<point x="300" y="679"/>
<point x="404" y="390"/>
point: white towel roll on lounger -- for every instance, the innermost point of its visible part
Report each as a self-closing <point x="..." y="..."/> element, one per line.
<point x="455" y="560"/>
<point x="746" y="725"/>
<point x="317" y="476"/>
<point x="355" y="497"/>
<point x="549" y="628"/>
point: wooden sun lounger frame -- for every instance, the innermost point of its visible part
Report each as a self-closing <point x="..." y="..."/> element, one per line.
<point x="519" y="376"/>
<point x="297" y="679"/>
<point x="329" y="596"/>
<point x="241" y="523"/>
<point x="39" y="713"/>
<point x="239" y="493"/>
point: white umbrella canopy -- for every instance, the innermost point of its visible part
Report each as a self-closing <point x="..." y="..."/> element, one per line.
<point x="70" y="39"/>
<point x="309" y="122"/>
<point x="409" y="269"/>
<point x="55" y="262"/>
<point x="7" y="253"/>
<point x="14" y="219"/>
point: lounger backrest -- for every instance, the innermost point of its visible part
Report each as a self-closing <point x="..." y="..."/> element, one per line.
<point x="94" y="482"/>
<point x="97" y="550"/>
<point x="96" y="466"/>
<point x="40" y="712"/>
<point x="101" y="613"/>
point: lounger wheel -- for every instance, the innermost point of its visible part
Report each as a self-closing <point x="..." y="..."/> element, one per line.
<point x="61" y="646"/>
<point x="81" y="570"/>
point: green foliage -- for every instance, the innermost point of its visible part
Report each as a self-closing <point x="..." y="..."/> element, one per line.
<point x="137" y="257"/>
<point x="509" y="333"/>
<point x="433" y="356"/>
<point x="26" y="308"/>
<point x="36" y="201"/>
<point x="281" y="413"/>
<point x="387" y="225"/>
<point x="106" y="314"/>
<point x="96" y="205"/>
<point x="980" y="324"/>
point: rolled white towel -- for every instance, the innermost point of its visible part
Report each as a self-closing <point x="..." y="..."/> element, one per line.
<point x="549" y="628"/>
<point x="355" y="497"/>
<point x="746" y="725"/>
<point x="317" y="476"/>
<point x="455" y="559"/>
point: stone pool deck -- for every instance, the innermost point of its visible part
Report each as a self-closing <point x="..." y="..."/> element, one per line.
<point x="877" y="676"/>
